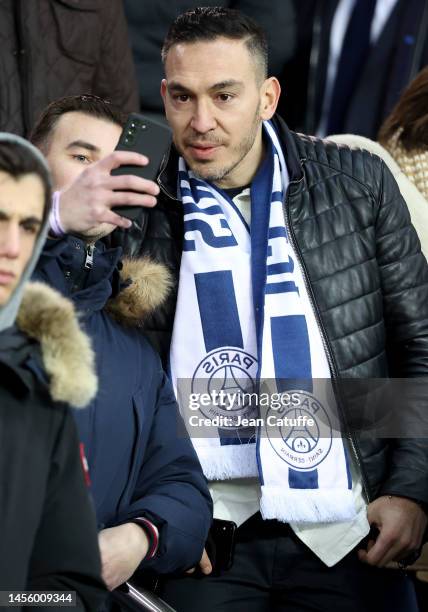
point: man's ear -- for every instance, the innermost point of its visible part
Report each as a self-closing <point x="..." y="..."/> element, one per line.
<point x="270" y="92"/>
<point x="163" y="89"/>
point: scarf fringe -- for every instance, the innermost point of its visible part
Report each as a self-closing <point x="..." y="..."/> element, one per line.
<point x="226" y="462"/>
<point x="307" y="505"/>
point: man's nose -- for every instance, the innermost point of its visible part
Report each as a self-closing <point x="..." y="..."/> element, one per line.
<point x="203" y="119"/>
<point x="10" y="242"/>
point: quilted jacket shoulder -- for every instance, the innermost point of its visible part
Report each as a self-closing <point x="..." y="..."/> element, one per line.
<point x="324" y="159"/>
<point x="363" y="260"/>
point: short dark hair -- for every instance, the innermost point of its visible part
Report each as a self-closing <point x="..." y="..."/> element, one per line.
<point x="410" y="115"/>
<point x="87" y="103"/>
<point x="18" y="160"/>
<point x="211" y="22"/>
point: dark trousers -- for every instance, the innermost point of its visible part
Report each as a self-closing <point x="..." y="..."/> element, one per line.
<point x="273" y="571"/>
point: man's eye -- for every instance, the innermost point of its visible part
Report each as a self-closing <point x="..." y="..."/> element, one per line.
<point x="182" y="98"/>
<point x="224" y="97"/>
<point x="29" y="228"/>
<point x="82" y="159"/>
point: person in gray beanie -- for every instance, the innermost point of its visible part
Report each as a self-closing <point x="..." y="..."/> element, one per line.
<point x="47" y="525"/>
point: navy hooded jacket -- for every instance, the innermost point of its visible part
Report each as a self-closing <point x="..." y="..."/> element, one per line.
<point x="141" y="462"/>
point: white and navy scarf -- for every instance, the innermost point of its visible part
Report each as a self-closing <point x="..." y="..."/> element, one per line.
<point x="243" y="316"/>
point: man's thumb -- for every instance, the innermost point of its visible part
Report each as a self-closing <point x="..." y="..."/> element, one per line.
<point x="205" y="563"/>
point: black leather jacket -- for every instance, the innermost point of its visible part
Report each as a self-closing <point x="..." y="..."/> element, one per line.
<point x="365" y="274"/>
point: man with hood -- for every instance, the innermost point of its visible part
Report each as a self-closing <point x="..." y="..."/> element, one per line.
<point x="152" y="503"/>
<point x="47" y="525"/>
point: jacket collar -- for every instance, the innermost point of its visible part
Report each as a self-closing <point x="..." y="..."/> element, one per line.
<point x="129" y="290"/>
<point x="63" y="267"/>
<point x="292" y="158"/>
<point x="167" y="178"/>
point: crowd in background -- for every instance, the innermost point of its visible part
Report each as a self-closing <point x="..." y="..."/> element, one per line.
<point x="56" y="48"/>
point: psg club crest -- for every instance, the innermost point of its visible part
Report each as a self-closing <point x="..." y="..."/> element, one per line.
<point x="301" y="435"/>
<point x="228" y="375"/>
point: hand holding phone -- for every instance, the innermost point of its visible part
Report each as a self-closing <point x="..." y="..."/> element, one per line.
<point x="150" y="138"/>
<point x="90" y="199"/>
<point x="219" y="549"/>
<point x="221" y="545"/>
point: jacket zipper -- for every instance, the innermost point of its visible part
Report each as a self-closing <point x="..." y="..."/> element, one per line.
<point x="327" y="349"/>
<point x="163" y="188"/>
<point x="163" y="165"/>
<point x="89" y="261"/>
<point x="83" y="273"/>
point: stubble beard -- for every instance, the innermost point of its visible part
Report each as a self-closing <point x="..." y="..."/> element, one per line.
<point x="214" y="175"/>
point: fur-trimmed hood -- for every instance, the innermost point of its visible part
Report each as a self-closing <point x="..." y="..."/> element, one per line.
<point x="148" y="285"/>
<point x="69" y="361"/>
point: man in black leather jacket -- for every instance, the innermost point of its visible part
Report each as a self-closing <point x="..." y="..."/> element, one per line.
<point x="366" y="281"/>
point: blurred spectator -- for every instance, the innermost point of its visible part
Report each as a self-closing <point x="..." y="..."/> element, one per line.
<point x="405" y="132"/>
<point x="149" y="21"/>
<point x="151" y="499"/>
<point x="53" y="48"/>
<point x="346" y="76"/>
<point x="403" y="146"/>
<point x="47" y="525"/>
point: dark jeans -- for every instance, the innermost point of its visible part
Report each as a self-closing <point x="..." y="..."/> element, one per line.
<point x="274" y="571"/>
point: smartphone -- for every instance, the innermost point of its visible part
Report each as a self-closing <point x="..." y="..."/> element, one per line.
<point x="146" y="136"/>
<point x="221" y="544"/>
